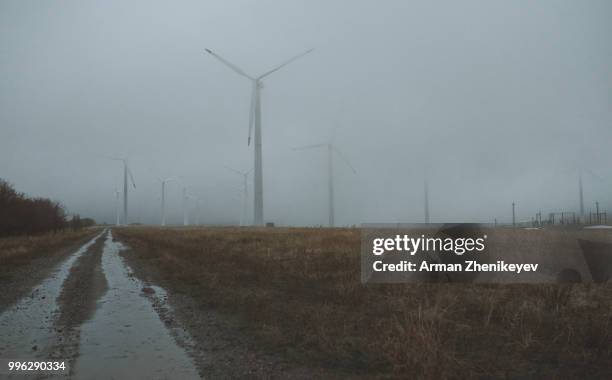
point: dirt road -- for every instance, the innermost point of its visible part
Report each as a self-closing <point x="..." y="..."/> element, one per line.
<point x="92" y="314"/>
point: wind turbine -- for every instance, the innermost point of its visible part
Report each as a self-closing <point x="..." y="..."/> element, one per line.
<point x="255" y="120"/>
<point x="331" y="149"/>
<point x="163" y="197"/>
<point x="198" y="202"/>
<point x="185" y="216"/>
<point x="245" y="192"/>
<point x="591" y="174"/>
<point x="126" y="172"/>
<point x="117" y="206"/>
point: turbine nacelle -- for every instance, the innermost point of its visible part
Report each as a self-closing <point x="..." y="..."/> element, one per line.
<point x="332" y="148"/>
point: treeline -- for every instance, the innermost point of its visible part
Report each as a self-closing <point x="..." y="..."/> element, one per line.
<point x="21" y="215"/>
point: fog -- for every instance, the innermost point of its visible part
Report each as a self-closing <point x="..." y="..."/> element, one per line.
<point x="497" y="101"/>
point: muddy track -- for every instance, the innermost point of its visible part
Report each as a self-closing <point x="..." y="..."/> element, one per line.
<point x="92" y="314"/>
<point x="85" y="284"/>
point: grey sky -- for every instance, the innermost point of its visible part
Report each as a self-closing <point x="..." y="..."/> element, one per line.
<point x="497" y="100"/>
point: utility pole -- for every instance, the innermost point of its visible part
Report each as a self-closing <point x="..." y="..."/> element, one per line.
<point x="426" y="189"/>
<point x="163" y="203"/>
<point x="513" y="216"/>
<point x="539" y="217"/>
<point x="330" y="183"/>
<point x="125" y="194"/>
<point x="581" y="198"/>
<point x="597" y="211"/>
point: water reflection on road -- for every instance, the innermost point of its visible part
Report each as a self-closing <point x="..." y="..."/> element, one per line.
<point x="26" y="328"/>
<point x="126" y="338"/>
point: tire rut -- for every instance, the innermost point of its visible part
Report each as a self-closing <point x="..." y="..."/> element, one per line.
<point x="81" y="290"/>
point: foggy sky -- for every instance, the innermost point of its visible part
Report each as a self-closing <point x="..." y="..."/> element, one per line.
<point x="498" y="101"/>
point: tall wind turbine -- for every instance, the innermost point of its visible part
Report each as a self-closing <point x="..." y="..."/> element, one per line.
<point x="255" y="120"/>
<point x="126" y="172"/>
<point x="331" y="149"/>
<point x="117" y="206"/>
<point x="163" y="197"/>
<point x="245" y="192"/>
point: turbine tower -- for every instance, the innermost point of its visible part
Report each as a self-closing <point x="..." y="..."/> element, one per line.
<point x="117" y="192"/>
<point x="198" y="201"/>
<point x="331" y="149"/>
<point x="245" y="192"/>
<point x="126" y="172"/>
<point x="163" y="197"/>
<point x="255" y="120"/>
<point x="185" y="217"/>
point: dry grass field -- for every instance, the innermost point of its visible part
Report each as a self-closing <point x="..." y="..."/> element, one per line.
<point x="299" y="290"/>
<point x="20" y="250"/>
<point x="27" y="260"/>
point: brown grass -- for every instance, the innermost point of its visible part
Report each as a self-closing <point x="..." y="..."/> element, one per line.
<point x="300" y="289"/>
<point x="20" y="250"/>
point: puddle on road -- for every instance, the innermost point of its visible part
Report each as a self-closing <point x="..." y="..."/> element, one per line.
<point x="26" y="328"/>
<point x="126" y="338"/>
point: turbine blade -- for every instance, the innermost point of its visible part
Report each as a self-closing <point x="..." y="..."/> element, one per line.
<point x="309" y="146"/>
<point x="111" y="158"/>
<point x="232" y="169"/>
<point x="596" y="176"/>
<point x="346" y="161"/>
<point x="235" y="68"/>
<point x="131" y="177"/>
<point x="284" y="64"/>
<point x="332" y="133"/>
<point x="252" y="111"/>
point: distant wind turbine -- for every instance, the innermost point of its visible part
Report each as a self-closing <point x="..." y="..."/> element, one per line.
<point x="331" y="149"/>
<point x="198" y="201"/>
<point x="117" y="192"/>
<point x="245" y="192"/>
<point x="255" y="120"/>
<point x="163" y="197"/>
<point x="581" y="178"/>
<point x="126" y="172"/>
<point x="185" y="216"/>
